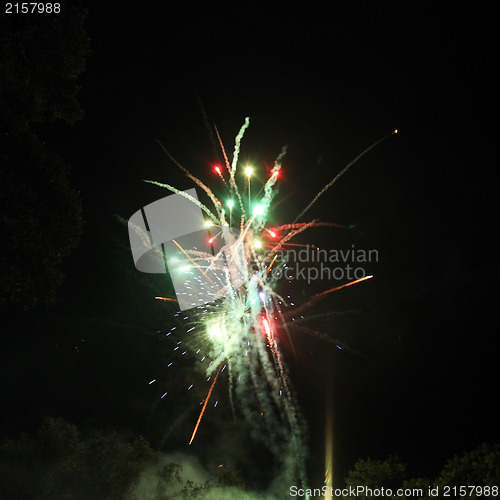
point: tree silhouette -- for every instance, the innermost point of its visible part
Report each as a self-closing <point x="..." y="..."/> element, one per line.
<point x="60" y="463"/>
<point x="41" y="58"/>
<point x="479" y="467"/>
<point x="374" y="474"/>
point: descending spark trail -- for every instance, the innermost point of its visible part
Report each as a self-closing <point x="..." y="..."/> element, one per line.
<point x="242" y="327"/>
<point x="204" y="406"/>
<point x="168" y="299"/>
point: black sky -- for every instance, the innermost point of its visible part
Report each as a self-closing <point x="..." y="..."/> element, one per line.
<point x="422" y="377"/>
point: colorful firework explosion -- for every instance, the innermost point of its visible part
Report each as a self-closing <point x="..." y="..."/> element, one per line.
<point x="241" y="328"/>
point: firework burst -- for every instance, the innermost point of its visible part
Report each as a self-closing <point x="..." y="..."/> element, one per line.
<point x="241" y="327"/>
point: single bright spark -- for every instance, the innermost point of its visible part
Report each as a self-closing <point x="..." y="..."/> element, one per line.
<point x="248" y="171"/>
<point x="259" y="209"/>
<point x="217" y="331"/>
<point x="267" y="328"/>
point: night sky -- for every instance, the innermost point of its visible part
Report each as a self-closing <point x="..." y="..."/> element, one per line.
<point x="418" y="375"/>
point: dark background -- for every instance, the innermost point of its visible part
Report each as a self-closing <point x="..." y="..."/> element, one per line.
<point x="418" y="376"/>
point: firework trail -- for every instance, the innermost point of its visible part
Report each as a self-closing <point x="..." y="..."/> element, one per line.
<point x="342" y="172"/>
<point x="204" y="407"/>
<point x="242" y="328"/>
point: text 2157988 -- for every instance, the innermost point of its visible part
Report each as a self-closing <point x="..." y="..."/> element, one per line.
<point x="32" y="8"/>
